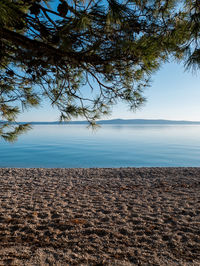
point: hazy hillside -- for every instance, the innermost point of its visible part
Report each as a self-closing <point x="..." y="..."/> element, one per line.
<point x="122" y="122"/>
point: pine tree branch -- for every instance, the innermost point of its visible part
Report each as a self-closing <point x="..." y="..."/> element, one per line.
<point x="35" y="45"/>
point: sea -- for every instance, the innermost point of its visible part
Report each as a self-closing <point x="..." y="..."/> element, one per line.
<point x="76" y="146"/>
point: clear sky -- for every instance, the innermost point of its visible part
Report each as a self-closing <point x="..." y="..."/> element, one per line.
<point x="174" y="94"/>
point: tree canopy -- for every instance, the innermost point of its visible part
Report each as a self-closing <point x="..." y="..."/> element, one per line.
<point x="53" y="49"/>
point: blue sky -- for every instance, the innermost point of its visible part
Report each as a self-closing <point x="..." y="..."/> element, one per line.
<point x="174" y="94"/>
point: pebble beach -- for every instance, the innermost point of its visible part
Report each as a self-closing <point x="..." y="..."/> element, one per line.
<point x="100" y="216"/>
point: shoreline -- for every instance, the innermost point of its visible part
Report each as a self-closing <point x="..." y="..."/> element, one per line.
<point x="105" y="216"/>
<point x="110" y="168"/>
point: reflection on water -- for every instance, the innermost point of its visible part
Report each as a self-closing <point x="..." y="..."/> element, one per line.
<point x="109" y="146"/>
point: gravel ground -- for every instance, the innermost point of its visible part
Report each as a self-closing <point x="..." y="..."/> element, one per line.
<point x="124" y="216"/>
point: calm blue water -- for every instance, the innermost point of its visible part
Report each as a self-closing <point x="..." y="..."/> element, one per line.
<point x="109" y="146"/>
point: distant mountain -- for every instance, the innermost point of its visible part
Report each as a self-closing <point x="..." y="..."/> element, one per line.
<point x="122" y="122"/>
<point x="146" y="121"/>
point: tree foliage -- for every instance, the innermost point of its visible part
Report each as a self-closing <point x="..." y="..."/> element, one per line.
<point x="53" y="49"/>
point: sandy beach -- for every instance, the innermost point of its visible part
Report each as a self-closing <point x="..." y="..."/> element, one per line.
<point x="125" y="216"/>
